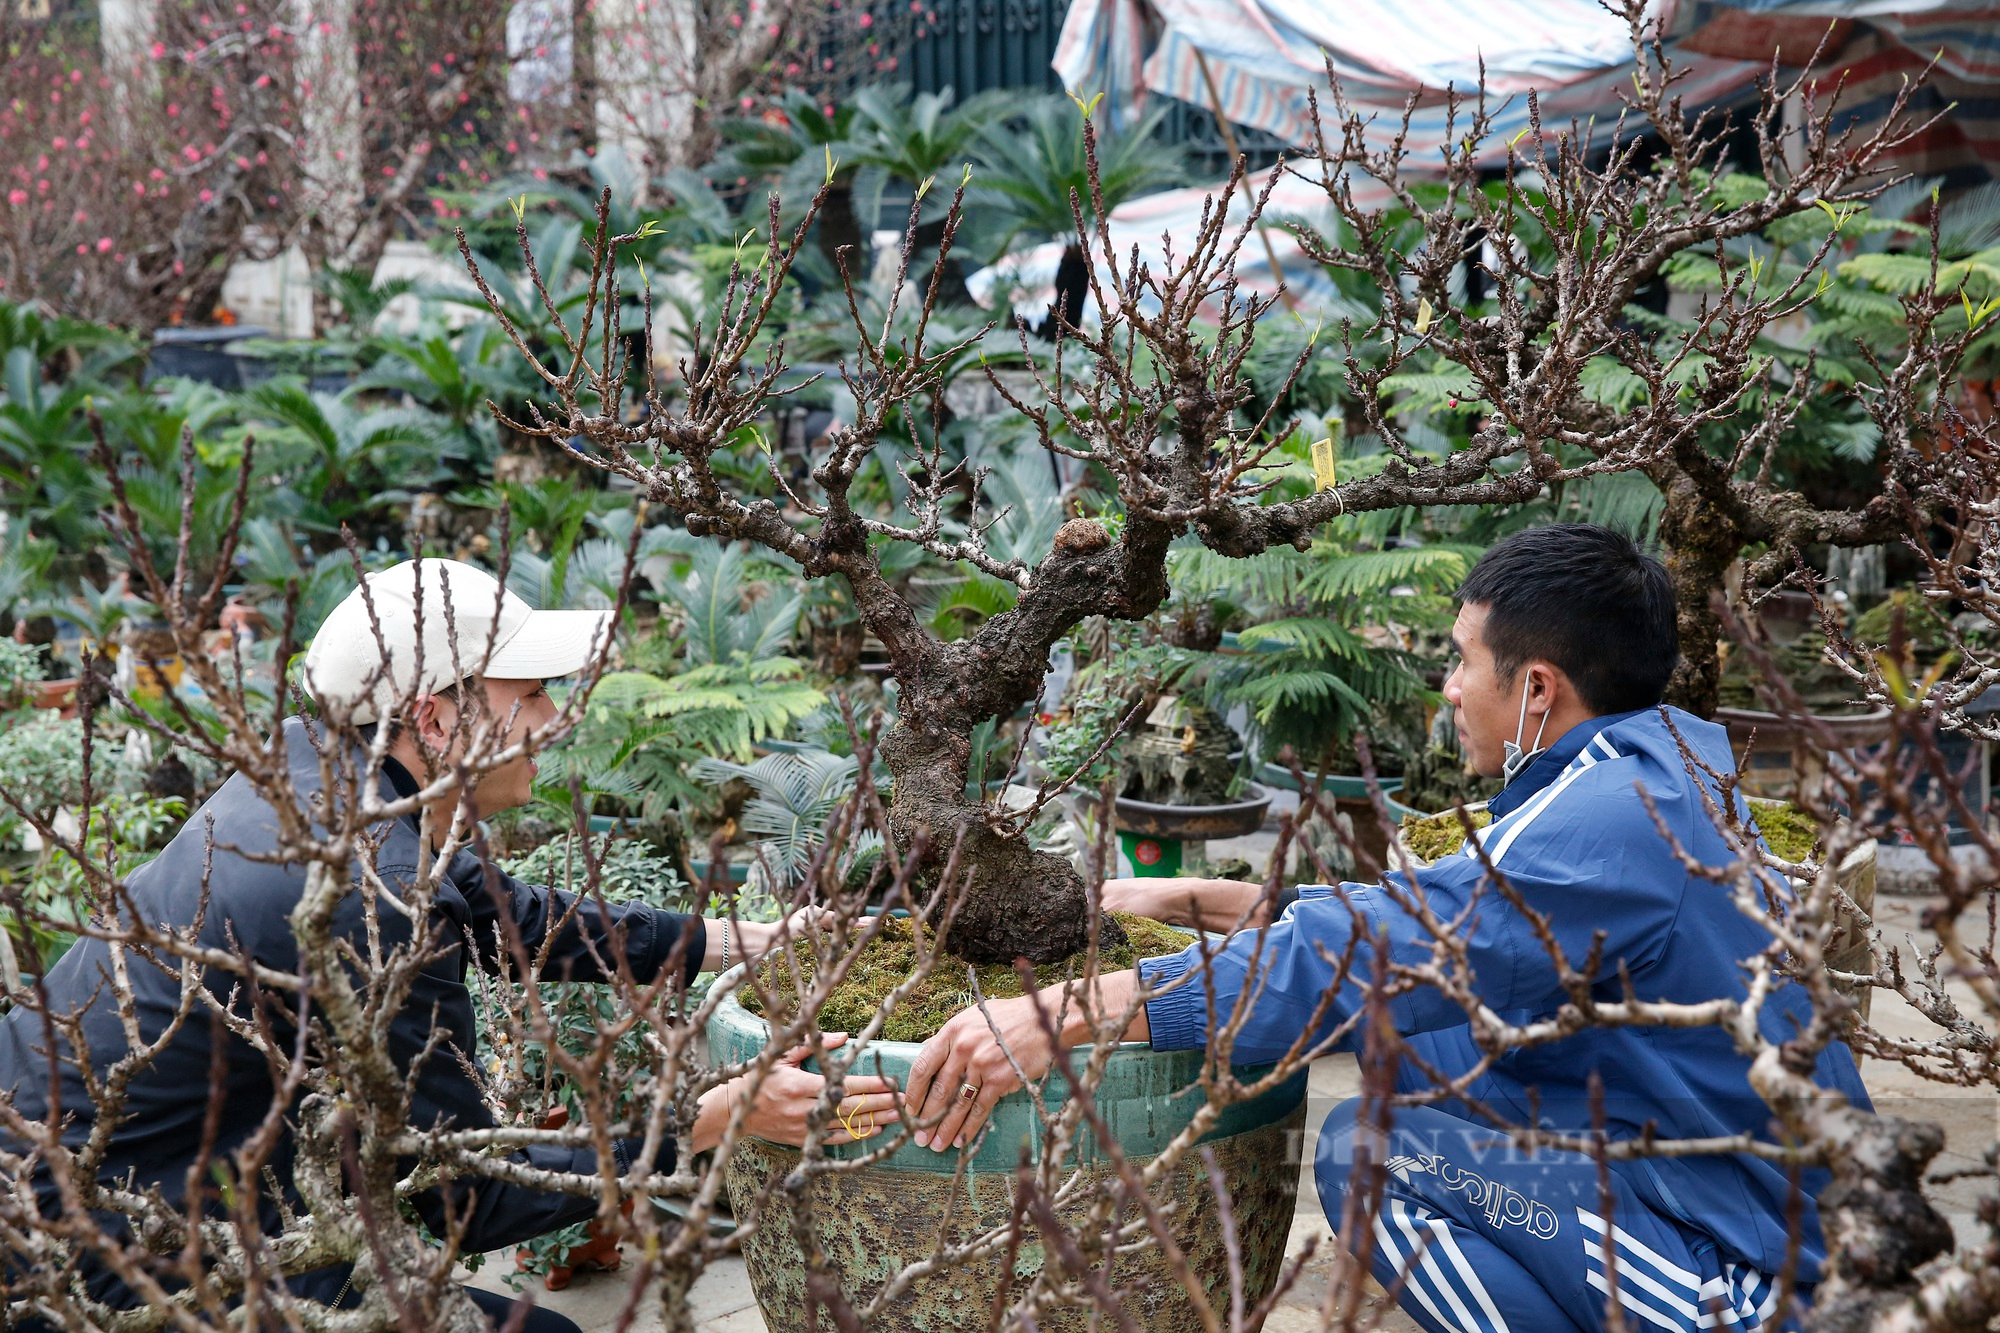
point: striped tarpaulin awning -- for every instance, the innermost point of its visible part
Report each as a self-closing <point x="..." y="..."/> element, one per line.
<point x="1256" y="60"/>
<point x="1261" y="58"/>
<point x="1162" y="226"/>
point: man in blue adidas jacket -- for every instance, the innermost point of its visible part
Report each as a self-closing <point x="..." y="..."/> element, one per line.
<point x="1565" y="641"/>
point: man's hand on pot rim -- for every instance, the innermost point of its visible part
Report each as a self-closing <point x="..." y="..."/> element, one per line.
<point x="963" y="1072"/>
<point x="788" y="1094"/>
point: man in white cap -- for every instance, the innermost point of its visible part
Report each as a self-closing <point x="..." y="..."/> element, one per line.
<point x="401" y="646"/>
<point x="456" y="665"/>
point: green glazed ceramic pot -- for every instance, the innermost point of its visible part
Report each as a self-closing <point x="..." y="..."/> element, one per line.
<point x="875" y="1221"/>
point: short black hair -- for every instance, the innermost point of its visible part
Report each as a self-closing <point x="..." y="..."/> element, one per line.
<point x="1586" y="600"/>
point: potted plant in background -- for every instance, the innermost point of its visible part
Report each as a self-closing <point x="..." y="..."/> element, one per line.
<point x="1338" y="649"/>
<point x="1134" y="722"/>
<point x="1909" y="629"/>
<point x="1779" y="759"/>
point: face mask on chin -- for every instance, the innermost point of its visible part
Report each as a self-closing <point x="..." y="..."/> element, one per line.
<point x="1515" y="760"/>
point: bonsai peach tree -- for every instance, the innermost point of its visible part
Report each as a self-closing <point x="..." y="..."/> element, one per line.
<point x="1153" y="396"/>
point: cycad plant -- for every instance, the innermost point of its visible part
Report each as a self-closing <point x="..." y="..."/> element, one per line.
<point x="45" y="465"/>
<point x="684" y="209"/>
<point x="557" y="243"/>
<point x="24" y="569"/>
<point x="454" y="376"/>
<point x="795" y="795"/>
<point x="275" y="565"/>
<point x="734" y="688"/>
<point x="1032" y="164"/>
<point x="728" y="614"/>
<point x="350" y="460"/>
<point x="795" y="145"/>
<point x="1021" y="488"/>
<point x="917" y="141"/>
<point x="67" y="349"/>
<point x="147" y="433"/>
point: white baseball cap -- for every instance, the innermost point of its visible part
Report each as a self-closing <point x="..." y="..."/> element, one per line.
<point x="344" y="667"/>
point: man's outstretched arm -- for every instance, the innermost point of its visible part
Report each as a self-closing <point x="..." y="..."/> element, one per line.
<point x="1294" y="975"/>
<point x="1221" y="905"/>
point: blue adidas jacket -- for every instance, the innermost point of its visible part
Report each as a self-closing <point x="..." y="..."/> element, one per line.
<point x="1574" y="837"/>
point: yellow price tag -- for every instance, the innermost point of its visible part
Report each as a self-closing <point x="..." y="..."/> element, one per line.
<point x="1323" y="460"/>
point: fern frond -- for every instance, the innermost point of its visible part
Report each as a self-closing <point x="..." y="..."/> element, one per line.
<point x="1435" y="568"/>
<point x="1313" y="635"/>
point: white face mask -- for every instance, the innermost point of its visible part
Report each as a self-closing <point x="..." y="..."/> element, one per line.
<point x="1516" y="760"/>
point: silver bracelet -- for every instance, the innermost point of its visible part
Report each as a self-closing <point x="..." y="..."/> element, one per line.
<point x="725" y="944"/>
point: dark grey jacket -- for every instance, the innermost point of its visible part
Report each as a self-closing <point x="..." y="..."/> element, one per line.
<point x="249" y="909"/>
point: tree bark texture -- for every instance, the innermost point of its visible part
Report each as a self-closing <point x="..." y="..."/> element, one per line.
<point x="1699" y="544"/>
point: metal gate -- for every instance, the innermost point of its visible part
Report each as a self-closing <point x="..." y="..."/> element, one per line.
<point x="971" y="46"/>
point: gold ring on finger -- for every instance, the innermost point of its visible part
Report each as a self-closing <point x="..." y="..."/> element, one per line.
<point x="966" y="1092"/>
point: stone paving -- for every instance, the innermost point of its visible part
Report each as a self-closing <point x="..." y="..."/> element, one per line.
<point x="723" y="1302"/>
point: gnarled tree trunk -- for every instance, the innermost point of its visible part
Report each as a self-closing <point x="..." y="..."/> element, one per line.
<point x="1700" y="542"/>
<point x="1021" y="903"/>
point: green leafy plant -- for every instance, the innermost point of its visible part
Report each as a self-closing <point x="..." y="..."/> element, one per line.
<point x="45" y="464"/>
<point x="25" y="561"/>
<point x="360" y="298"/>
<point x="146" y="433"/>
<point x="41" y="770"/>
<point x="1312" y="672"/>
<point x="542" y="1254"/>
<point x="273" y="563"/>
<point x="348" y="459"/>
<point x="563" y="261"/>
<point x="455" y="378"/>
<point x="797" y="146"/>
<point x="41" y="767"/>
<point x="66" y="348"/>
<point x="125" y="832"/>
<point x="21" y="665"/>
<point x="628" y="870"/>
<point x="796" y="793"/>
<point x="722" y="707"/>
<point x="728" y="614"/>
<point x="925" y="142"/>
<point x="1033" y="162"/>
<point x="1072" y="746"/>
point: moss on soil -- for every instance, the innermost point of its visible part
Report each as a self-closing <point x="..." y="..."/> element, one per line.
<point x="890" y="958"/>
<point x="1788" y="831"/>
<point x="1435" y="836"/>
